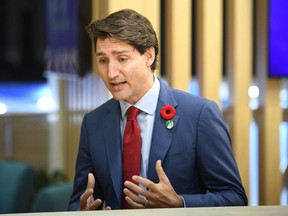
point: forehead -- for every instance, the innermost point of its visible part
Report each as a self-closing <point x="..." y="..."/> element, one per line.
<point x="110" y="45"/>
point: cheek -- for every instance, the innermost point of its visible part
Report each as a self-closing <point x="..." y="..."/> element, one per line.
<point x="104" y="77"/>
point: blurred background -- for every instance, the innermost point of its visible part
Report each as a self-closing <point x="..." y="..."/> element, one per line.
<point x="231" y="51"/>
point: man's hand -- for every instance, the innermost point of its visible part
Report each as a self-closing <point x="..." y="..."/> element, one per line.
<point x="160" y="195"/>
<point x="87" y="201"/>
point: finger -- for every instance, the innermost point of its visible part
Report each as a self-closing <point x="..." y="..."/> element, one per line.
<point x="134" y="204"/>
<point x="133" y="196"/>
<point x="84" y="197"/>
<point x="136" y="201"/>
<point x="146" y="182"/>
<point x="107" y="208"/>
<point x="91" y="182"/>
<point x="94" y="205"/>
<point x="87" y="202"/>
<point x="160" y="172"/>
<point x="134" y="187"/>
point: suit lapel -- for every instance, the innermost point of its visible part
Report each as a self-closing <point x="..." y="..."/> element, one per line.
<point x="112" y="138"/>
<point x="162" y="137"/>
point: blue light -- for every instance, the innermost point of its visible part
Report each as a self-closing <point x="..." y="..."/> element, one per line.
<point x="22" y="97"/>
<point x="3" y="108"/>
<point x="278" y="38"/>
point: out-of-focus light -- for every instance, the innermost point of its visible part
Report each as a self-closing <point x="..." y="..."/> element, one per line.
<point x="253" y="91"/>
<point x="224" y="91"/>
<point x="46" y="103"/>
<point x="283" y="95"/>
<point x="254" y="103"/>
<point x="3" y="108"/>
<point x="224" y="95"/>
<point x="193" y="87"/>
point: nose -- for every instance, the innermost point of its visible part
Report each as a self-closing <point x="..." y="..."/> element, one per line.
<point x="113" y="70"/>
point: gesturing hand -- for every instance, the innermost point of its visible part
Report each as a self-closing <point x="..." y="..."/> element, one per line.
<point x="87" y="201"/>
<point x="159" y="195"/>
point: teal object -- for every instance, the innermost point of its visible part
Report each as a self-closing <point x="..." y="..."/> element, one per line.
<point x="16" y="187"/>
<point x="53" y="198"/>
<point x="169" y="124"/>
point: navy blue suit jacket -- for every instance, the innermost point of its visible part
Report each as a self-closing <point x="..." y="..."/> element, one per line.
<point x="196" y="153"/>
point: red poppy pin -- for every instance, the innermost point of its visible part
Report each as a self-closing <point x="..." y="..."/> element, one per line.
<point x="168" y="112"/>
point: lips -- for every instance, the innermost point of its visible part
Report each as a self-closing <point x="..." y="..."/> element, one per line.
<point x="117" y="86"/>
<point x="119" y="83"/>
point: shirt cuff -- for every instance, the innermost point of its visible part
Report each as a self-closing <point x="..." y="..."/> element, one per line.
<point x="184" y="203"/>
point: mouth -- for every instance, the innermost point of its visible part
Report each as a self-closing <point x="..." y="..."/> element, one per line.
<point x="118" y="85"/>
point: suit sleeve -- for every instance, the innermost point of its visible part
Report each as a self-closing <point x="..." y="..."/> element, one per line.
<point x="216" y="163"/>
<point x="83" y="167"/>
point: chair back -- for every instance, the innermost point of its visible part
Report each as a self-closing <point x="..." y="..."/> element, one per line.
<point x="53" y="198"/>
<point x="16" y="187"/>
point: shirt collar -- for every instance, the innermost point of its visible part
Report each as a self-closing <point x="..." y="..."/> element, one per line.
<point x="147" y="103"/>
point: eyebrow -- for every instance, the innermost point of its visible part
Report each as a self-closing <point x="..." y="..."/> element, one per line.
<point x="115" y="52"/>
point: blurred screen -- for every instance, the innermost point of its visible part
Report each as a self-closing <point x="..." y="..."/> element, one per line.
<point x="278" y="38"/>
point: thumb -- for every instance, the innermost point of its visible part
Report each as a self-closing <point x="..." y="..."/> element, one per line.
<point x="91" y="182"/>
<point x="160" y="172"/>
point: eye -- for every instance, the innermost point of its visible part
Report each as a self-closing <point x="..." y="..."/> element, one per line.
<point x="102" y="61"/>
<point x="122" y="59"/>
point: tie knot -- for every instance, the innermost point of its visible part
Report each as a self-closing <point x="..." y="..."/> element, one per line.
<point x="132" y="113"/>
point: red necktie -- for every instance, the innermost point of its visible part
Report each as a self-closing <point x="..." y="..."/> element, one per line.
<point x="131" y="149"/>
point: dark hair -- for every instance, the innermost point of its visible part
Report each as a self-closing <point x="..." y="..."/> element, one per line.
<point x="129" y="26"/>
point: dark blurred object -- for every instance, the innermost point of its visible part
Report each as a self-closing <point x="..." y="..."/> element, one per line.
<point x="29" y="30"/>
<point x="285" y="177"/>
<point x="16" y="187"/>
<point x="68" y="48"/>
<point x="22" y="40"/>
<point x="43" y="179"/>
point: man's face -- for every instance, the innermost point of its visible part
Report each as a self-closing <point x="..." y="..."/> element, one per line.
<point x="125" y="72"/>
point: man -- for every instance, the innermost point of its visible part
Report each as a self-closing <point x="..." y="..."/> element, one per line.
<point x="186" y="157"/>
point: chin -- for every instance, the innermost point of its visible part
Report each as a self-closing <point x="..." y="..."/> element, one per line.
<point x="118" y="97"/>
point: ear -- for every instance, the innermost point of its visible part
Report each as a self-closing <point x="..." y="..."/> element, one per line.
<point x="150" y="56"/>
